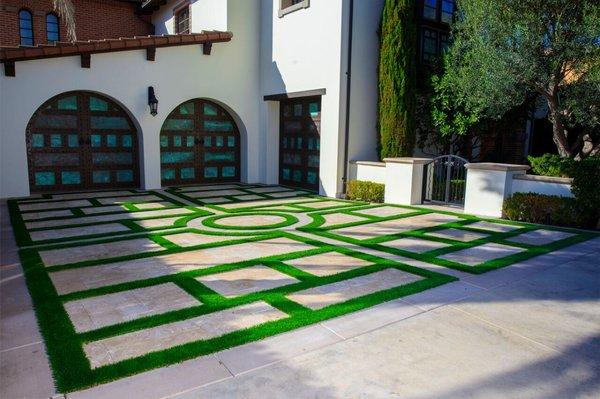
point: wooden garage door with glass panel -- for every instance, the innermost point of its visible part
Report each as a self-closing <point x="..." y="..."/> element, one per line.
<point x="81" y="140"/>
<point x="299" y="142"/>
<point x="199" y="143"/>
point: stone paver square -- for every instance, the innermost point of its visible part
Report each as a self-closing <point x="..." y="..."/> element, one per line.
<point x="41" y="206"/>
<point x="333" y="219"/>
<point x="105" y="310"/>
<point x="152" y="205"/>
<point x="217" y="193"/>
<point x="215" y="200"/>
<point x="130" y="198"/>
<point x="286" y="194"/>
<point x="113" y="249"/>
<point x="246" y="281"/>
<point x="384" y="211"/>
<point x="457" y="234"/>
<point x="53" y="234"/>
<point x="325" y="295"/>
<point x="328" y="263"/>
<point x="417" y="245"/>
<point x="540" y="237"/>
<point x="268" y="189"/>
<point x="248" y="197"/>
<point x="250" y="220"/>
<point x="491" y="226"/>
<point x="46" y="214"/>
<point x="481" y="253"/>
<point x="134" y="344"/>
<point x="191" y="239"/>
<point x="324" y="204"/>
<point x="104" y="209"/>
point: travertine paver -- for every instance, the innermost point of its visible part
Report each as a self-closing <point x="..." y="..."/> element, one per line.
<point x="248" y="197"/>
<point x="105" y="310"/>
<point x="107" y="218"/>
<point x="134" y="344"/>
<point x="152" y="205"/>
<point x="416" y="245"/>
<point x="103" y="209"/>
<point x="217" y="193"/>
<point x="40" y="206"/>
<point x="457" y="234"/>
<point x="156" y="223"/>
<point x="540" y="237"/>
<point x="250" y="220"/>
<point x="269" y="189"/>
<point x="53" y="234"/>
<point x="286" y="194"/>
<point x="191" y="239"/>
<point x="333" y="219"/>
<point x="325" y="204"/>
<point x="72" y="280"/>
<point x="384" y="211"/>
<point x="267" y="202"/>
<point x="113" y="249"/>
<point x="95" y="194"/>
<point x="325" y="295"/>
<point x="46" y="214"/>
<point x="246" y="281"/>
<point x="371" y="230"/>
<point x="215" y="200"/>
<point x="208" y="188"/>
<point x="482" y="253"/>
<point x="283" y="208"/>
<point x="497" y="227"/>
<point x="129" y="198"/>
<point x="328" y="263"/>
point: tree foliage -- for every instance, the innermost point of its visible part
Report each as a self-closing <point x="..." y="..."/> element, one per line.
<point x="397" y="79"/>
<point x="505" y="50"/>
<point x="66" y="11"/>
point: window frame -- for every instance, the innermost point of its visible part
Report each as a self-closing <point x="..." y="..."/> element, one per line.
<point x="21" y="37"/>
<point x="438" y="11"/>
<point x="177" y="11"/>
<point x="57" y="28"/>
<point x="288" y="6"/>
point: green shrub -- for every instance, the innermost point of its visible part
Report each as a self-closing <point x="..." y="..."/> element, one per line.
<point x="546" y="209"/>
<point x="551" y="165"/>
<point x="586" y="186"/>
<point x="365" y="191"/>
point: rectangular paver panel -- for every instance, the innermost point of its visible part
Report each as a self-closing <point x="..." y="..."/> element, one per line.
<point x="105" y="310"/>
<point x="46" y="205"/>
<point x="328" y="263"/>
<point x="130" y="198"/>
<point x="53" y="234"/>
<point x="540" y="237"/>
<point x="384" y="211"/>
<point x="325" y="295"/>
<point x="46" y="214"/>
<point x="457" y="234"/>
<point x="269" y="189"/>
<point x="497" y="227"/>
<point x="416" y="245"/>
<point x="191" y="239"/>
<point x="138" y="343"/>
<point x="481" y="253"/>
<point x="247" y="280"/>
<point x="333" y="219"/>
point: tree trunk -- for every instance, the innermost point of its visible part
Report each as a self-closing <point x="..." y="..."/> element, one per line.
<point x="559" y="133"/>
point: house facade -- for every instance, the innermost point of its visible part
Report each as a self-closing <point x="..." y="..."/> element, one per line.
<point x="258" y="91"/>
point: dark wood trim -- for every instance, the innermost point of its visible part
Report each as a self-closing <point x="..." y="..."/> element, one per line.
<point x="9" y="68"/>
<point x="151" y="53"/>
<point x="206" y="48"/>
<point x="86" y="60"/>
<point x="297" y="94"/>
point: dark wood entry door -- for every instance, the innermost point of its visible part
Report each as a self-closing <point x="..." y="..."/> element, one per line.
<point x="81" y="140"/>
<point x="300" y="142"/>
<point x="199" y="143"/>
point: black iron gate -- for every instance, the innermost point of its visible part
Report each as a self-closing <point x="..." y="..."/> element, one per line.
<point x="444" y="180"/>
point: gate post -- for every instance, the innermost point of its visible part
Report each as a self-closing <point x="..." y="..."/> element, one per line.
<point x="488" y="184"/>
<point x="404" y="180"/>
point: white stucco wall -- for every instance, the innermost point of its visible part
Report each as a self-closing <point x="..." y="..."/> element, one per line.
<point x="205" y="15"/>
<point x="542" y="185"/>
<point x="178" y="74"/>
<point x="303" y="51"/>
<point x="367" y="171"/>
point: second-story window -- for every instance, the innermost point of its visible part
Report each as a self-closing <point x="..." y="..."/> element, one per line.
<point x="52" y="28"/>
<point x="182" y="20"/>
<point x="438" y="10"/>
<point x="26" y="28"/>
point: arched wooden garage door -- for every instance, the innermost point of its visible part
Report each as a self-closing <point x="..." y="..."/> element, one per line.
<point x="81" y="140"/>
<point x="199" y="143"/>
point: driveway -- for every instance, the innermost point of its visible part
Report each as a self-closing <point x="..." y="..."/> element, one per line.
<point x="236" y="292"/>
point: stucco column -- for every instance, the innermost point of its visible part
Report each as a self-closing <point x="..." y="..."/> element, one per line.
<point x="488" y="184"/>
<point x="404" y="180"/>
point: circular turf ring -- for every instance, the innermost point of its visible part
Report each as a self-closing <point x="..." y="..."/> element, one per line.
<point x="212" y="221"/>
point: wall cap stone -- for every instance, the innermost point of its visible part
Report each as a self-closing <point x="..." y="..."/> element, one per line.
<point x="369" y="163"/>
<point x="547" y="179"/>
<point x="408" y="160"/>
<point x="505" y="167"/>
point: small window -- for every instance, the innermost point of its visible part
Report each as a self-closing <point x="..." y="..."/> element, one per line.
<point x="52" y="28"/>
<point x="26" y="28"/>
<point x="288" y="6"/>
<point x="438" y="10"/>
<point x="447" y="11"/>
<point x="430" y="9"/>
<point x="182" y="20"/>
<point x="429" y="45"/>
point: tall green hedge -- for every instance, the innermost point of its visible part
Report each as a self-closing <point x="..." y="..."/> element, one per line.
<point x="397" y="79"/>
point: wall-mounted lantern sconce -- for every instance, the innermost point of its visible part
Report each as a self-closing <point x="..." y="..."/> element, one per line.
<point x="152" y="101"/>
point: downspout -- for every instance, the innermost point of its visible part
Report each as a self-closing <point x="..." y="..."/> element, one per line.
<point x="348" y="88"/>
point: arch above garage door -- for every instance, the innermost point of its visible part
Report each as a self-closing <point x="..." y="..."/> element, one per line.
<point x="199" y="143"/>
<point x="81" y="140"/>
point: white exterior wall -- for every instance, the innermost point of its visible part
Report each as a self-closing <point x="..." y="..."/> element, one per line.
<point x="368" y="171"/>
<point x="542" y="185"/>
<point x="205" y="15"/>
<point x="303" y="51"/>
<point x="178" y="74"/>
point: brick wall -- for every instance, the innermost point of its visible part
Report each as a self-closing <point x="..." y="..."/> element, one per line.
<point x="94" y="19"/>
